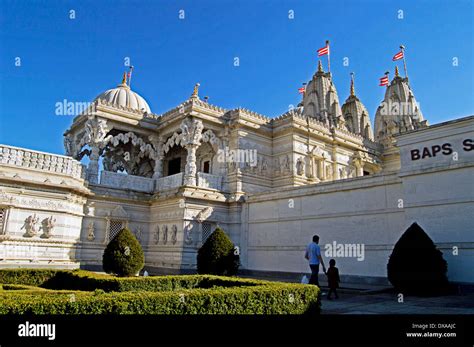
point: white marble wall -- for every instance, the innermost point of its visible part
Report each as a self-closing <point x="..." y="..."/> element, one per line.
<point x="373" y="211"/>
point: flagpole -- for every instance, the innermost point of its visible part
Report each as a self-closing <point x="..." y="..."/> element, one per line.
<point x="130" y="78"/>
<point x="404" y="62"/>
<point x="329" y="53"/>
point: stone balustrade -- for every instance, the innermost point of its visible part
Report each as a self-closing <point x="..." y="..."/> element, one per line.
<point x="206" y="180"/>
<point x="124" y="181"/>
<point x="169" y="182"/>
<point x="48" y="162"/>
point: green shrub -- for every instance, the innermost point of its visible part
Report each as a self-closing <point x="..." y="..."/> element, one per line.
<point x="218" y="255"/>
<point x="188" y="294"/>
<point x="123" y="256"/>
<point x="265" y="299"/>
<point x="416" y="266"/>
<point x="32" y="277"/>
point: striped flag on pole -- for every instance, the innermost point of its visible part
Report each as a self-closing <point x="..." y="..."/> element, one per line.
<point x="301" y="90"/>
<point x="384" y="81"/>
<point x="398" y="56"/>
<point x="323" y="51"/>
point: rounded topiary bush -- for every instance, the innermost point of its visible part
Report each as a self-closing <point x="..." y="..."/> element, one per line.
<point x="123" y="256"/>
<point x="218" y="255"/>
<point x="416" y="266"/>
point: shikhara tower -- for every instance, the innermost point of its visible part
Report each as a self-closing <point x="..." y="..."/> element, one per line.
<point x="160" y="175"/>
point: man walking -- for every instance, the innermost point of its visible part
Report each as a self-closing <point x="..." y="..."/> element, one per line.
<point x="313" y="255"/>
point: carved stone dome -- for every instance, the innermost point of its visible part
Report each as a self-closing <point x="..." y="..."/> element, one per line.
<point x="123" y="96"/>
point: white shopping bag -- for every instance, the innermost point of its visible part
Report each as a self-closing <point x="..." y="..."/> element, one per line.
<point x="305" y="280"/>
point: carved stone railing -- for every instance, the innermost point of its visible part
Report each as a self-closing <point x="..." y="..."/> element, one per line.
<point x="124" y="181"/>
<point x="48" y="162"/>
<point x="169" y="182"/>
<point x="206" y="180"/>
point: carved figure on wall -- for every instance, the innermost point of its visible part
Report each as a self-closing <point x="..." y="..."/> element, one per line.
<point x="188" y="238"/>
<point x="138" y="234"/>
<point x="48" y="225"/>
<point x="300" y="167"/>
<point x="165" y="234"/>
<point x="69" y="145"/>
<point x="174" y="233"/>
<point x="342" y="172"/>
<point x="264" y="165"/>
<point x="156" y="236"/>
<point x="90" y="232"/>
<point x="31" y="225"/>
<point x="285" y="164"/>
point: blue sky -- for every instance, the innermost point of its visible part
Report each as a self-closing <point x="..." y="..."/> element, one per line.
<point x="77" y="59"/>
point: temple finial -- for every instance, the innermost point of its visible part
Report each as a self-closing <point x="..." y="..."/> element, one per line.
<point x="396" y="71"/>
<point x="124" y="78"/>
<point x="320" y="66"/>
<point x="352" y="84"/>
<point x="195" y="91"/>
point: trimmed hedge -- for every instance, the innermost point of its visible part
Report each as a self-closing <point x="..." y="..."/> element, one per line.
<point x="153" y="295"/>
<point x="89" y="281"/>
<point x="275" y="299"/>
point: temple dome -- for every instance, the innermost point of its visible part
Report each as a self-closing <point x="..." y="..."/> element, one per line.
<point x="123" y="96"/>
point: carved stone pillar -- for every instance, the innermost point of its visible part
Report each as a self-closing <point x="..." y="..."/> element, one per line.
<point x="192" y="134"/>
<point x="191" y="168"/>
<point x="93" y="167"/>
<point x="158" y="156"/>
<point x="96" y="129"/>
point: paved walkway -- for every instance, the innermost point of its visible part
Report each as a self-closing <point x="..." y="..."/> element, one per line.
<point x="357" y="298"/>
<point x="387" y="303"/>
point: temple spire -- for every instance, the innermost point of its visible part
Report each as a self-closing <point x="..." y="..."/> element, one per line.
<point x="124" y="78"/>
<point x="352" y="84"/>
<point x="396" y="71"/>
<point x="320" y="66"/>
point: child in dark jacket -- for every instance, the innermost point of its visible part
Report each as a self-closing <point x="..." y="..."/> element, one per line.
<point x="333" y="279"/>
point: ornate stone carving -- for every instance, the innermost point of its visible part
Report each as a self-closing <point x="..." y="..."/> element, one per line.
<point x="174" y="233"/>
<point x="300" y="167"/>
<point x="285" y="163"/>
<point x="69" y="145"/>
<point x="96" y="130"/>
<point x="165" y="234"/>
<point x="30" y="226"/>
<point x="48" y="225"/>
<point x="138" y="233"/>
<point x="156" y="235"/>
<point x="204" y="214"/>
<point x="90" y="232"/>
<point x="211" y="138"/>
<point x="192" y="134"/>
<point x="188" y="237"/>
<point x="191" y="131"/>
